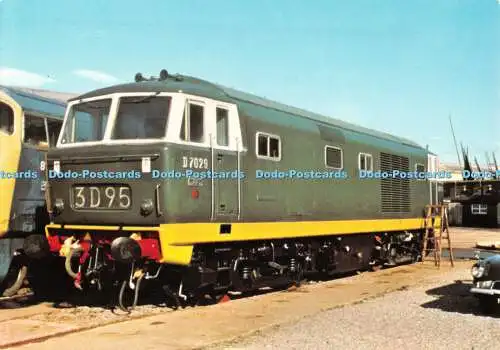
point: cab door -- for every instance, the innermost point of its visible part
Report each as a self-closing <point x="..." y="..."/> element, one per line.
<point x="227" y="163"/>
<point x="209" y="145"/>
<point x="10" y="149"/>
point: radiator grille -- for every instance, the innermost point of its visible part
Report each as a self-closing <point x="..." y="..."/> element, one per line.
<point x="395" y="192"/>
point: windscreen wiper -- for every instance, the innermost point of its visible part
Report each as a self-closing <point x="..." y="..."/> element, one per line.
<point x="147" y="98"/>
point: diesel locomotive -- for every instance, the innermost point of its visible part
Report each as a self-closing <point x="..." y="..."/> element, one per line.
<point x="202" y="190"/>
<point x="29" y="125"/>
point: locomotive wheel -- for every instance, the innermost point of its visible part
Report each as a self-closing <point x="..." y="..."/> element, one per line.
<point x="220" y="298"/>
<point x="376" y="267"/>
<point x="416" y="258"/>
<point x="298" y="277"/>
<point x="173" y="300"/>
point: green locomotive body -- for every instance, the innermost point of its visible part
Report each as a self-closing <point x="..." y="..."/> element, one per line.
<point x="180" y="177"/>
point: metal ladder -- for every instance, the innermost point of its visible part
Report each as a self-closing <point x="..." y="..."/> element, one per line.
<point x="436" y="234"/>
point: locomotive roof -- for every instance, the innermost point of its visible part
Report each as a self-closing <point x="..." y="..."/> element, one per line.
<point x="207" y="89"/>
<point x="34" y="102"/>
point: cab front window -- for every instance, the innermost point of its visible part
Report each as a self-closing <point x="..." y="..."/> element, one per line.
<point x="193" y="123"/>
<point x="141" y="118"/>
<point x="86" y="121"/>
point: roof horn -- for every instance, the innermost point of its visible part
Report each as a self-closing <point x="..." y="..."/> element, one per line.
<point x="163" y="74"/>
<point x="139" y="78"/>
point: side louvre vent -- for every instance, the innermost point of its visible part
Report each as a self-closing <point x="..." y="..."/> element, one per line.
<point x="395" y="192"/>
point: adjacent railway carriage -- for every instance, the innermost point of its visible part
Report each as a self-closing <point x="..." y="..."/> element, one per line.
<point x="29" y="125"/>
<point x="206" y="189"/>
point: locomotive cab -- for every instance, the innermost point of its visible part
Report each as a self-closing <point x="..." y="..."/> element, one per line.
<point x="120" y="153"/>
<point x="128" y="162"/>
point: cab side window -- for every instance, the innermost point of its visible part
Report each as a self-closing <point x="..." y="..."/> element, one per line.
<point x="34" y="130"/>
<point x="268" y="146"/>
<point x="192" y="128"/>
<point x="6" y="119"/>
<point x="222" y="115"/>
<point x="365" y="162"/>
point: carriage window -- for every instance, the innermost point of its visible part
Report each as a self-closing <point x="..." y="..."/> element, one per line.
<point x="262" y="145"/>
<point x="268" y="146"/>
<point x="54" y="128"/>
<point x="87" y="121"/>
<point x="141" y="118"/>
<point x="479" y="209"/>
<point x="333" y="157"/>
<point x="192" y="123"/>
<point x="6" y="119"/>
<point x="365" y="162"/>
<point x="222" y="127"/>
<point x="34" y="130"/>
<point x="274" y="147"/>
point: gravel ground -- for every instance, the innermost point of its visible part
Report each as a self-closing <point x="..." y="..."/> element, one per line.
<point x="439" y="316"/>
<point x="94" y="316"/>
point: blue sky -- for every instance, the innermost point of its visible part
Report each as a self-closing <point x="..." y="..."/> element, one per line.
<point x="396" y="66"/>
